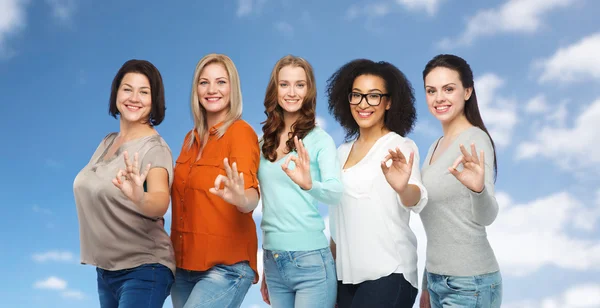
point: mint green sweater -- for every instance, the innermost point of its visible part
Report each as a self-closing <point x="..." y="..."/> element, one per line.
<point x="291" y="220"/>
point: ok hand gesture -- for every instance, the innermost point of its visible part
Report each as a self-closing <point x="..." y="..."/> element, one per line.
<point x="233" y="191"/>
<point x="130" y="181"/>
<point x="473" y="174"/>
<point x="301" y="174"/>
<point x="398" y="173"/>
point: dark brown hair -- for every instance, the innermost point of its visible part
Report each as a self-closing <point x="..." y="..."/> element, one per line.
<point x="157" y="90"/>
<point x="274" y="125"/>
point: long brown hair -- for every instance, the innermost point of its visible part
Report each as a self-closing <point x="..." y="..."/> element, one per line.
<point x="274" y="125"/>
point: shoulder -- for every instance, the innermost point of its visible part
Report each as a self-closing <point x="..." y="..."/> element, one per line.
<point x="156" y="143"/>
<point x="478" y="136"/>
<point x="241" y="128"/>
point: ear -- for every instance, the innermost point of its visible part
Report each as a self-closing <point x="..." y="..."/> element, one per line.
<point x="468" y="92"/>
<point x="388" y="104"/>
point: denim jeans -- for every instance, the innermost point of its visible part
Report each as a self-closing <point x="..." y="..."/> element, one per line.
<point x="483" y="291"/>
<point x="147" y="285"/>
<point x="392" y="291"/>
<point x="300" y="279"/>
<point x="222" y="286"/>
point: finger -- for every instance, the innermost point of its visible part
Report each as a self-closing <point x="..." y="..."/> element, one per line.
<point x="145" y="173"/>
<point x="136" y="168"/>
<point x="214" y="191"/>
<point x="454" y="172"/>
<point x="297" y="144"/>
<point x="482" y="161"/>
<point x="221" y="179"/>
<point x="235" y="173"/>
<point x="127" y="163"/>
<point x="227" y="168"/>
<point x="304" y="151"/>
<point x="411" y="160"/>
<point x="285" y="164"/>
<point x="474" y="154"/>
<point x="116" y="183"/>
<point x="384" y="166"/>
<point x="240" y="180"/>
<point x="400" y="155"/>
<point x="464" y="152"/>
<point x="457" y="162"/>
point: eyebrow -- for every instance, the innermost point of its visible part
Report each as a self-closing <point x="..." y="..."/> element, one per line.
<point x="215" y="78"/>
<point x="452" y="83"/>
<point x="357" y="89"/>
<point x="282" y="80"/>
<point x="126" y="84"/>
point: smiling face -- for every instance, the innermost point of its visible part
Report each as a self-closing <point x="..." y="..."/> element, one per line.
<point x="134" y="98"/>
<point x="214" y="89"/>
<point x="445" y="94"/>
<point x="291" y="88"/>
<point x="366" y="115"/>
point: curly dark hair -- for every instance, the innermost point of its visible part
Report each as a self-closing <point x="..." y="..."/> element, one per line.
<point x="273" y="126"/>
<point x="401" y="116"/>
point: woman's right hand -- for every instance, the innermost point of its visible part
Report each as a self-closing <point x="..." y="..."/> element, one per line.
<point x="264" y="291"/>
<point x="424" y="301"/>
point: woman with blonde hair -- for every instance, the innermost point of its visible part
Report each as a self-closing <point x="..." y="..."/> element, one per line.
<point x="298" y="169"/>
<point x="214" y="193"/>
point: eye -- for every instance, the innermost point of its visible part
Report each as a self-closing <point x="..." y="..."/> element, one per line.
<point x="301" y="85"/>
<point x="145" y="92"/>
<point x="356" y="95"/>
<point x="203" y="83"/>
<point x="449" y="89"/>
<point x="430" y="91"/>
<point x="221" y="82"/>
<point x="283" y="85"/>
<point x="373" y="96"/>
<point x="126" y="90"/>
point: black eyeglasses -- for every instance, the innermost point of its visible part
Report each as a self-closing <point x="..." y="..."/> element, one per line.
<point x="373" y="99"/>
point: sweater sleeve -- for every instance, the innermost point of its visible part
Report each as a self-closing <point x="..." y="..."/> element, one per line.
<point x="415" y="177"/>
<point x="484" y="206"/>
<point x="329" y="189"/>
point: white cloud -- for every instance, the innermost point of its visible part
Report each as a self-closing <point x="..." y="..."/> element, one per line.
<point x="514" y="16"/>
<point x="569" y="147"/>
<point x="41" y="210"/>
<point x="579" y="296"/>
<point x="248" y="7"/>
<point x="499" y="113"/>
<point x="52" y="283"/>
<point x="260" y="265"/>
<point x="526" y="237"/>
<point x="73" y="294"/>
<point x="426" y="128"/>
<point x="429" y="6"/>
<point x="537" y="105"/>
<point x="285" y="29"/>
<point x="321" y="122"/>
<point x="54" y="255"/>
<point x="62" y="10"/>
<point x="578" y="61"/>
<point x="12" y="21"/>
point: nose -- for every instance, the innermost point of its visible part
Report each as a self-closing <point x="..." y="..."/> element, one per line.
<point x="292" y="92"/>
<point x="439" y="97"/>
<point x="212" y="88"/>
<point x="363" y="103"/>
<point x="135" y="97"/>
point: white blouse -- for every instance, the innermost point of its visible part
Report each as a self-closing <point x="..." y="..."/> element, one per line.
<point x="370" y="225"/>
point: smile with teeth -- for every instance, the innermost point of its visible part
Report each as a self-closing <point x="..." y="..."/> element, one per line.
<point x="364" y="114"/>
<point x="212" y="99"/>
<point x="292" y="101"/>
<point x="133" y="108"/>
<point x="441" y="109"/>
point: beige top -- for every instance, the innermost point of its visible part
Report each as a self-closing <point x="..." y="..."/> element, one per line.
<point x="113" y="232"/>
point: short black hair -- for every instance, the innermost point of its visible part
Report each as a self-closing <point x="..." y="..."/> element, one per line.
<point x="157" y="89"/>
<point x="401" y="116"/>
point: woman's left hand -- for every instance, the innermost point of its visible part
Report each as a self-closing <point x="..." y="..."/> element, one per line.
<point x="301" y="174"/>
<point x="473" y="173"/>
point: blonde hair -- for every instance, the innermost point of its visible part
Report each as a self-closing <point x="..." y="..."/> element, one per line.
<point x="199" y="113"/>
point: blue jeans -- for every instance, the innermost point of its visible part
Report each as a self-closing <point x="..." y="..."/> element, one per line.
<point x="220" y="286"/>
<point x="147" y="285"/>
<point x="301" y="279"/>
<point x="483" y="291"/>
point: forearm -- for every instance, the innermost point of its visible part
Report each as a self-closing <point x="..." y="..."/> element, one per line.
<point x="154" y="204"/>
<point x="250" y="201"/>
<point x="410" y="196"/>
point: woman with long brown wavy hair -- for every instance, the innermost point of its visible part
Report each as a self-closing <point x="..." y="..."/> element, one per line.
<point x="298" y="169"/>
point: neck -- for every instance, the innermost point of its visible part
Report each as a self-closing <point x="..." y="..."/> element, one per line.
<point x="289" y="119"/>
<point x="213" y="119"/>
<point x="371" y="134"/>
<point x="132" y="130"/>
<point x="456" y="126"/>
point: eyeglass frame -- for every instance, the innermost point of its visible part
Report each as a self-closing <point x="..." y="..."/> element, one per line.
<point x="364" y="96"/>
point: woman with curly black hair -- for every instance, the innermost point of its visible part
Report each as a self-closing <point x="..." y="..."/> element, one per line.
<point x="375" y="249"/>
<point x="298" y="169"/>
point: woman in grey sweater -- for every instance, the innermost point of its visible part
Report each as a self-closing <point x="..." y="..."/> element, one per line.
<point x="461" y="269"/>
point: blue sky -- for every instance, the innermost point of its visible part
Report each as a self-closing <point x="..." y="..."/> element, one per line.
<point x="537" y="77"/>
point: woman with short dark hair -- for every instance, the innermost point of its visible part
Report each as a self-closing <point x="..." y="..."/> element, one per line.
<point x="123" y="192"/>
